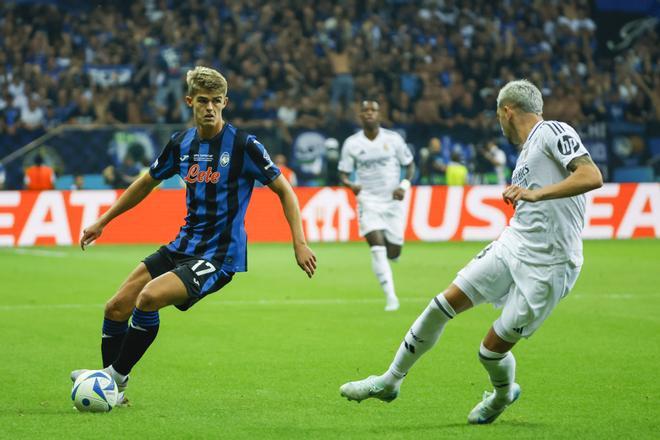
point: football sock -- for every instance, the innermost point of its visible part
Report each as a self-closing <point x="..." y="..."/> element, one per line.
<point x="141" y="333"/>
<point x="118" y="377"/>
<point x="113" y="336"/>
<point x="501" y="368"/>
<point x="421" y="337"/>
<point x="381" y="268"/>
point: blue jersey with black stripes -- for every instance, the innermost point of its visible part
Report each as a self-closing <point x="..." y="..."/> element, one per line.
<point x="219" y="174"/>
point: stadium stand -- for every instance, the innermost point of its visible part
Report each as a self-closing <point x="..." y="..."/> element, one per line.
<point x="435" y="66"/>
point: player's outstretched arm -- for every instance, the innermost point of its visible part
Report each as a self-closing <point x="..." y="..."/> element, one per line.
<point x="304" y="255"/>
<point x="131" y="197"/>
<point x="585" y="176"/>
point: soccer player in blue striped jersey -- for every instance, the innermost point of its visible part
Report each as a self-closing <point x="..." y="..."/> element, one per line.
<point x="219" y="164"/>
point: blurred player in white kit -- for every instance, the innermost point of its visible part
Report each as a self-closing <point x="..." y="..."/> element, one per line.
<point x="376" y="155"/>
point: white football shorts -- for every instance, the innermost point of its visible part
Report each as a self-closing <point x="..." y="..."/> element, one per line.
<point x="528" y="293"/>
<point x="384" y="216"/>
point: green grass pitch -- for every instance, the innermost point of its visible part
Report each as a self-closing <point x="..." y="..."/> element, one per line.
<point x="264" y="357"/>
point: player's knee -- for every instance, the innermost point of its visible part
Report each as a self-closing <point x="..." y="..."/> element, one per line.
<point x="501" y="340"/>
<point x="393" y="254"/>
<point x="148" y="300"/>
<point x="117" y="310"/>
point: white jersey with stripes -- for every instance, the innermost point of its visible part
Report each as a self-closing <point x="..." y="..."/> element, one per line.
<point x="548" y="231"/>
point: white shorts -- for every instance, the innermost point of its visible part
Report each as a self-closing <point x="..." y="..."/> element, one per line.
<point x="527" y="292"/>
<point x="382" y="216"/>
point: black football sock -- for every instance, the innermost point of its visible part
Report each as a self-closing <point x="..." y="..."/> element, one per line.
<point x="141" y="333"/>
<point x="113" y="336"/>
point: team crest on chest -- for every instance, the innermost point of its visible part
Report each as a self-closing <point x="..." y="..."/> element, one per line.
<point x="386" y="147"/>
<point x="224" y="159"/>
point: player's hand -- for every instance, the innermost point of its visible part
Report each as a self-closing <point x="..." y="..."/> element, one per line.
<point x="90" y="234"/>
<point x="356" y="188"/>
<point x="305" y="258"/>
<point x="512" y="194"/>
<point x="399" y="194"/>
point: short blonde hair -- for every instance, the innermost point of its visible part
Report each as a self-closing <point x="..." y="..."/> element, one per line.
<point x="205" y="78"/>
<point x="522" y="94"/>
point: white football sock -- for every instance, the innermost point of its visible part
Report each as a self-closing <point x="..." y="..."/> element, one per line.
<point x="421" y="337"/>
<point x="501" y="368"/>
<point x="118" y="377"/>
<point x="383" y="271"/>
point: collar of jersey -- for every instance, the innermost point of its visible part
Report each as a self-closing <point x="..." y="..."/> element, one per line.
<point x="532" y="132"/>
<point x="364" y="135"/>
<point x="216" y="137"/>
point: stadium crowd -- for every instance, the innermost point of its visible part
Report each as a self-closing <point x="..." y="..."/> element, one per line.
<point x="291" y="64"/>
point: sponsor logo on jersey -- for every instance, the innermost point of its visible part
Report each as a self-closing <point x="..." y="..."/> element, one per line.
<point x="224" y="159"/>
<point x="203" y="157"/>
<point x="371" y="163"/>
<point x="567" y="145"/>
<point x="207" y="176"/>
<point x="519" y="177"/>
<point x="184" y="157"/>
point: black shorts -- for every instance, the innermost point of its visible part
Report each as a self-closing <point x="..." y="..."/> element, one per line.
<point x="201" y="277"/>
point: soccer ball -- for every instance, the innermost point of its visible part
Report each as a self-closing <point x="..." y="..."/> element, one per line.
<point x="94" y="391"/>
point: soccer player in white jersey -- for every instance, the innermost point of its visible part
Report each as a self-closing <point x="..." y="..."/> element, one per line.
<point x="533" y="264"/>
<point x="376" y="155"/>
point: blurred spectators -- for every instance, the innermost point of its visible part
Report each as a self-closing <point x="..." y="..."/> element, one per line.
<point x="331" y="146"/>
<point x="3" y="177"/>
<point x="128" y="170"/>
<point x="490" y="160"/>
<point x="293" y="65"/>
<point x="288" y="173"/>
<point x="39" y="176"/>
<point x="78" y="182"/>
<point x="457" y="173"/>
<point x="433" y="164"/>
<point x="109" y="57"/>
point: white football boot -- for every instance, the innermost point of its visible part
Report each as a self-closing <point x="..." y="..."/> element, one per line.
<point x="372" y="386"/>
<point x="487" y="410"/>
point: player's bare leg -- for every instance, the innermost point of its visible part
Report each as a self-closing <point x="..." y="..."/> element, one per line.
<point x="496" y="357"/>
<point x="118" y="310"/>
<point x="160" y="292"/>
<point x="120" y="306"/>
<point x="421" y="337"/>
<point x="143" y="297"/>
<point x="382" y="269"/>
<point x="393" y="251"/>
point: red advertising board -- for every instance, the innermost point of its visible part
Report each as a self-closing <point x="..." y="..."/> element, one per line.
<point x="433" y="213"/>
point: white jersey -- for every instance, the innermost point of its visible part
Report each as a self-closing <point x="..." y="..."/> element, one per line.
<point x="377" y="163"/>
<point x="548" y="231"/>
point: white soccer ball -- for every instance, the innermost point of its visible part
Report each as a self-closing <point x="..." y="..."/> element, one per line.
<point x="94" y="391"/>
